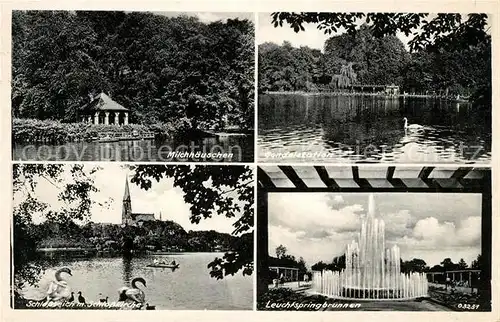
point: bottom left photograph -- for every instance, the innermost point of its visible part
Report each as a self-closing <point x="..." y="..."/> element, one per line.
<point x="134" y="237"/>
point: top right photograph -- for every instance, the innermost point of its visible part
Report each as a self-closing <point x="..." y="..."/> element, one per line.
<point x="374" y="88"/>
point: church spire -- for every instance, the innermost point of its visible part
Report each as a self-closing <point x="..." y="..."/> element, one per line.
<point x="127" y="206"/>
<point x="126" y="195"/>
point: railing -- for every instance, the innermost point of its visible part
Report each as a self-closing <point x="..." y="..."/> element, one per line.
<point x="122" y="136"/>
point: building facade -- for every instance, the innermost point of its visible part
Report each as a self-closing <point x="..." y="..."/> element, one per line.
<point x="128" y="217"/>
<point x="103" y="110"/>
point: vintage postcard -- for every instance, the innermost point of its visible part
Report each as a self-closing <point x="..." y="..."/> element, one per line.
<point x="339" y="87"/>
<point x="250" y="160"/>
<point x="146" y="239"/>
<point x="132" y="86"/>
<point x="372" y="239"/>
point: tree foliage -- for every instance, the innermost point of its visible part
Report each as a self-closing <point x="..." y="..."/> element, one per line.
<point x="210" y="190"/>
<point x="448" y="53"/>
<point x="159" y="67"/>
<point x="280" y="251"/>
<point x="444" y="29"/>
<point x="75" y="194"/>
<point x="413" y="265"/>
<point x="230" y="194"/>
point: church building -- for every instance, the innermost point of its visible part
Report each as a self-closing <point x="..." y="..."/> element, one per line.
<point x="128" y="217"/>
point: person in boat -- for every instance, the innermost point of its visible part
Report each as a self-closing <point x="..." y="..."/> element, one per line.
<point x="173" y="263"/>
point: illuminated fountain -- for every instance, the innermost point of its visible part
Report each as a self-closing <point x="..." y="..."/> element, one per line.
<point x="371" y="271"/>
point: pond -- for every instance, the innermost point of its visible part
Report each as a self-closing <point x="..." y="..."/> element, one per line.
<point x="216" y="149"/>
<point x="341" y="128"/>
<point x="189" y="287"/>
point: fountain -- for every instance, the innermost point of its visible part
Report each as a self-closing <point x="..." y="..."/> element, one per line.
<point x="371" y="271"/>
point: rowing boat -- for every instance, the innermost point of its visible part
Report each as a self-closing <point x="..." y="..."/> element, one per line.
<point x="163" y="265"/>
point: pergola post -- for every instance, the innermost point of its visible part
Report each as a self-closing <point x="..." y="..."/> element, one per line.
<point x="106" y="118"/>
<point x="96" y="118"/>
<point x="125" y="118"/>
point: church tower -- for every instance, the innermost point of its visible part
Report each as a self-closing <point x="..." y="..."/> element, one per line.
<point x="127" y="206"/>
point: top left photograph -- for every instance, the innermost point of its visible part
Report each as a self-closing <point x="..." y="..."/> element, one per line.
<point x="133" y="86"/>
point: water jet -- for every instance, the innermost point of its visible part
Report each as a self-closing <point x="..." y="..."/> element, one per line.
<point x="372" y="271"/>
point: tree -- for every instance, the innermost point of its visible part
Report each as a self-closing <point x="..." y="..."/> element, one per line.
<point x="437" y="268"/>
<point x="448" y="264"/>
<point x="302" y="266"/>
<point x="337" y="264"/>
<point x="75" y="195"/>
<point x="370" y="60"/>
<point x="281" y="251"/>
<point x="462" y="264"/>
<point x="459" y="48"/>
<point x="230" y="194"/>
<point x="443" y="30"/>
<point x="477" y="263"/>
<point x="203" y="78"/>
<point x="414" y="265"/>
<point x="286" y="68"/>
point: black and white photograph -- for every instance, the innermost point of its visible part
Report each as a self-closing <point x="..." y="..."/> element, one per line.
<point x="374" y="87"/>
<point x="133" y="86"/>
<point x="132" y="237"/>
<point x="372" y="239"/>
<point x="229" y="158"/>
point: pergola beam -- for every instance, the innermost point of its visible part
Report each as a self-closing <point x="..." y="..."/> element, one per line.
<point x="292" y="176"/>
<point x="325" y="177"/>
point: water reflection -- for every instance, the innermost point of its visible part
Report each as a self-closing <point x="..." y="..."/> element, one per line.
<point x="127" y="269"/>
<point x="370" y="129"/>
<point x="231" y="148"/>
<point x="98" y="277"/>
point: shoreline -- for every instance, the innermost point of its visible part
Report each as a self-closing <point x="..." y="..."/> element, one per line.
<point x="48" y="250"/>
<point x="426" y="96"/>
<point x="36" y="131"/>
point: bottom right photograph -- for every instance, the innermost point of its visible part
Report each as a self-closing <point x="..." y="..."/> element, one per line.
<point x="374" y="238"/>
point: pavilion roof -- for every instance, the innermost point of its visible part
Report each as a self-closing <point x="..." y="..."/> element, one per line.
<point x="103" y="102"/>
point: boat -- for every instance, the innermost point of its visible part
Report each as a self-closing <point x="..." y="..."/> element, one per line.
<point x="160" y="265"/>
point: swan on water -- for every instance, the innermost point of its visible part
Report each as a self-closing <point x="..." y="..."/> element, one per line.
<point x="412" y="127"/>
<point x="133" y="294"/>
<point x="59" y="289"/>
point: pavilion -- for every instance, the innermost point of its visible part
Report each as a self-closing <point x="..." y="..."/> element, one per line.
<point x="103" y="110"/>
<point x="283" y="268"/>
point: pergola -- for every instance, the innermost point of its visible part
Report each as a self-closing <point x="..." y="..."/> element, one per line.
<point x="291" y="274"/>
<point x="103" y="110"/>
<point x="456" y="275"/>
<point x="284" y="268"/>
<point x="451" y="179"/>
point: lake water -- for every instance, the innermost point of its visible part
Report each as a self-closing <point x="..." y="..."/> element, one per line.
<point x="370" y="129"/>
<point x="189" y="287"/>
<point x="236" y="148"/>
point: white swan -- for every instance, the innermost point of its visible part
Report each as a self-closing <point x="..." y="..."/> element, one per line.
<point x="59" y="289"/>
<point x="133" y="294"/>
<point x="412" y="127"/>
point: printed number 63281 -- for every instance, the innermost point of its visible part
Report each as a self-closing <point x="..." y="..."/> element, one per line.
<point x="468" y="306"/>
